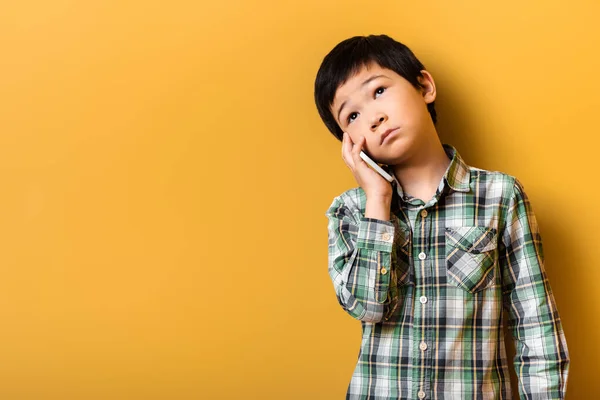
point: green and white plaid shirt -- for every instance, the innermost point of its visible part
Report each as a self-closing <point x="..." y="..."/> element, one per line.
<point x="429" y="286"/>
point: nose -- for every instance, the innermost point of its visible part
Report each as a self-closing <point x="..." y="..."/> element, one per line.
<point x="379" y="119"/>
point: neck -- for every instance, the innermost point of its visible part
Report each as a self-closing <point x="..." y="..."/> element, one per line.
<point x="420" y="175"/>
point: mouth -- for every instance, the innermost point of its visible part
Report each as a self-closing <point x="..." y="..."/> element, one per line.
<point x="388" y="133"/>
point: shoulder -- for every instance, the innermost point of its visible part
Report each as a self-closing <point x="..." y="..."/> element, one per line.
<point x="501" y="182"/>
<point x="506" y="189"/>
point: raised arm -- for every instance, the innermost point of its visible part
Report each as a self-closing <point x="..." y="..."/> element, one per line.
<point x="359" y="259"/>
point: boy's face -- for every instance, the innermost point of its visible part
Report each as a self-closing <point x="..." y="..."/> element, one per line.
<point x="388" y="101"/>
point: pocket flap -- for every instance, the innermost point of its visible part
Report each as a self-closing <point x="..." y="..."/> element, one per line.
<point x="474" y="239"/>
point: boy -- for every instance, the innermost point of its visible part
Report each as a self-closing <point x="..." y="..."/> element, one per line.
<point x="428" y="262"/>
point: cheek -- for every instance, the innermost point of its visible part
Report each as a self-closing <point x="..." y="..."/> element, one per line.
<point x="356" y="130"/>
<point x="355" y="135"/>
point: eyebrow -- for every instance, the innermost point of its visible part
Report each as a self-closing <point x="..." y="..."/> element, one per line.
<point x="362" y="85"/>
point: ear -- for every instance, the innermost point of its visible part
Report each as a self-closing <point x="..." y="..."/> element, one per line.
<point x="429" y="91"/>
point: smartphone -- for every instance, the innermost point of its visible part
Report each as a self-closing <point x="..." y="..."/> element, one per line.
<point x="375" y="166"/>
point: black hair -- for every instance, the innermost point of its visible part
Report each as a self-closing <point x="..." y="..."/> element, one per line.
<point x="349" y="56"/>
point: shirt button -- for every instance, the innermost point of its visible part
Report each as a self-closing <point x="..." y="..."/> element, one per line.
<point x="386" y="236"/>
<point x="423" y="213"/>
<point x="423" y="299"/>
<point x="421" y="394"/>
<point x="422" y="256"/>
<point x="383" y="270"/>
<point x="423" y="346"/>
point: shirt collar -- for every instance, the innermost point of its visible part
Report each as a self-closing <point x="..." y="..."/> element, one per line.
<point x="457" y="175"/>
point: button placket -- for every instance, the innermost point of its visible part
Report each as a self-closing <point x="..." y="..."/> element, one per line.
<point x="423" y="228"/>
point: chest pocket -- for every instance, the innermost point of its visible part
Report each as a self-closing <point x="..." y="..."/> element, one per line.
<point x="471" y="257"/>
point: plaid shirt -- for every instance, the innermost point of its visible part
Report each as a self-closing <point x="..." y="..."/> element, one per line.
<point x="429" y="286"/>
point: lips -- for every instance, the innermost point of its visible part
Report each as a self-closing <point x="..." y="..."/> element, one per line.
<point x="386" y="133"/>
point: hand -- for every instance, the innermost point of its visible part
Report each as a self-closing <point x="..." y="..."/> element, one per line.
<point x="368" y="179"/>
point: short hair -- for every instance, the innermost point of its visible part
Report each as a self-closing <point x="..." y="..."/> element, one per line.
<point x="349" y="56"/>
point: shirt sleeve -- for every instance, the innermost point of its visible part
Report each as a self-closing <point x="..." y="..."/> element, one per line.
<point x="359" y="258"/>
<point x="542" y="360"/>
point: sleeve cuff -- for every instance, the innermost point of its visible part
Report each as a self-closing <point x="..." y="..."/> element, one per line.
<point x="375" y="234"/>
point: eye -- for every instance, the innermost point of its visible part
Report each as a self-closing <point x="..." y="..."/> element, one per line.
<point x="349" y="119"/>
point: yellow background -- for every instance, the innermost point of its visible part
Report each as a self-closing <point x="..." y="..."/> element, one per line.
<point x="165" y="174"/>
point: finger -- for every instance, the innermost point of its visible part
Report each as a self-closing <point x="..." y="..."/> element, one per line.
<point x="347" y="150"/>
<point x="357" y="149"/>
